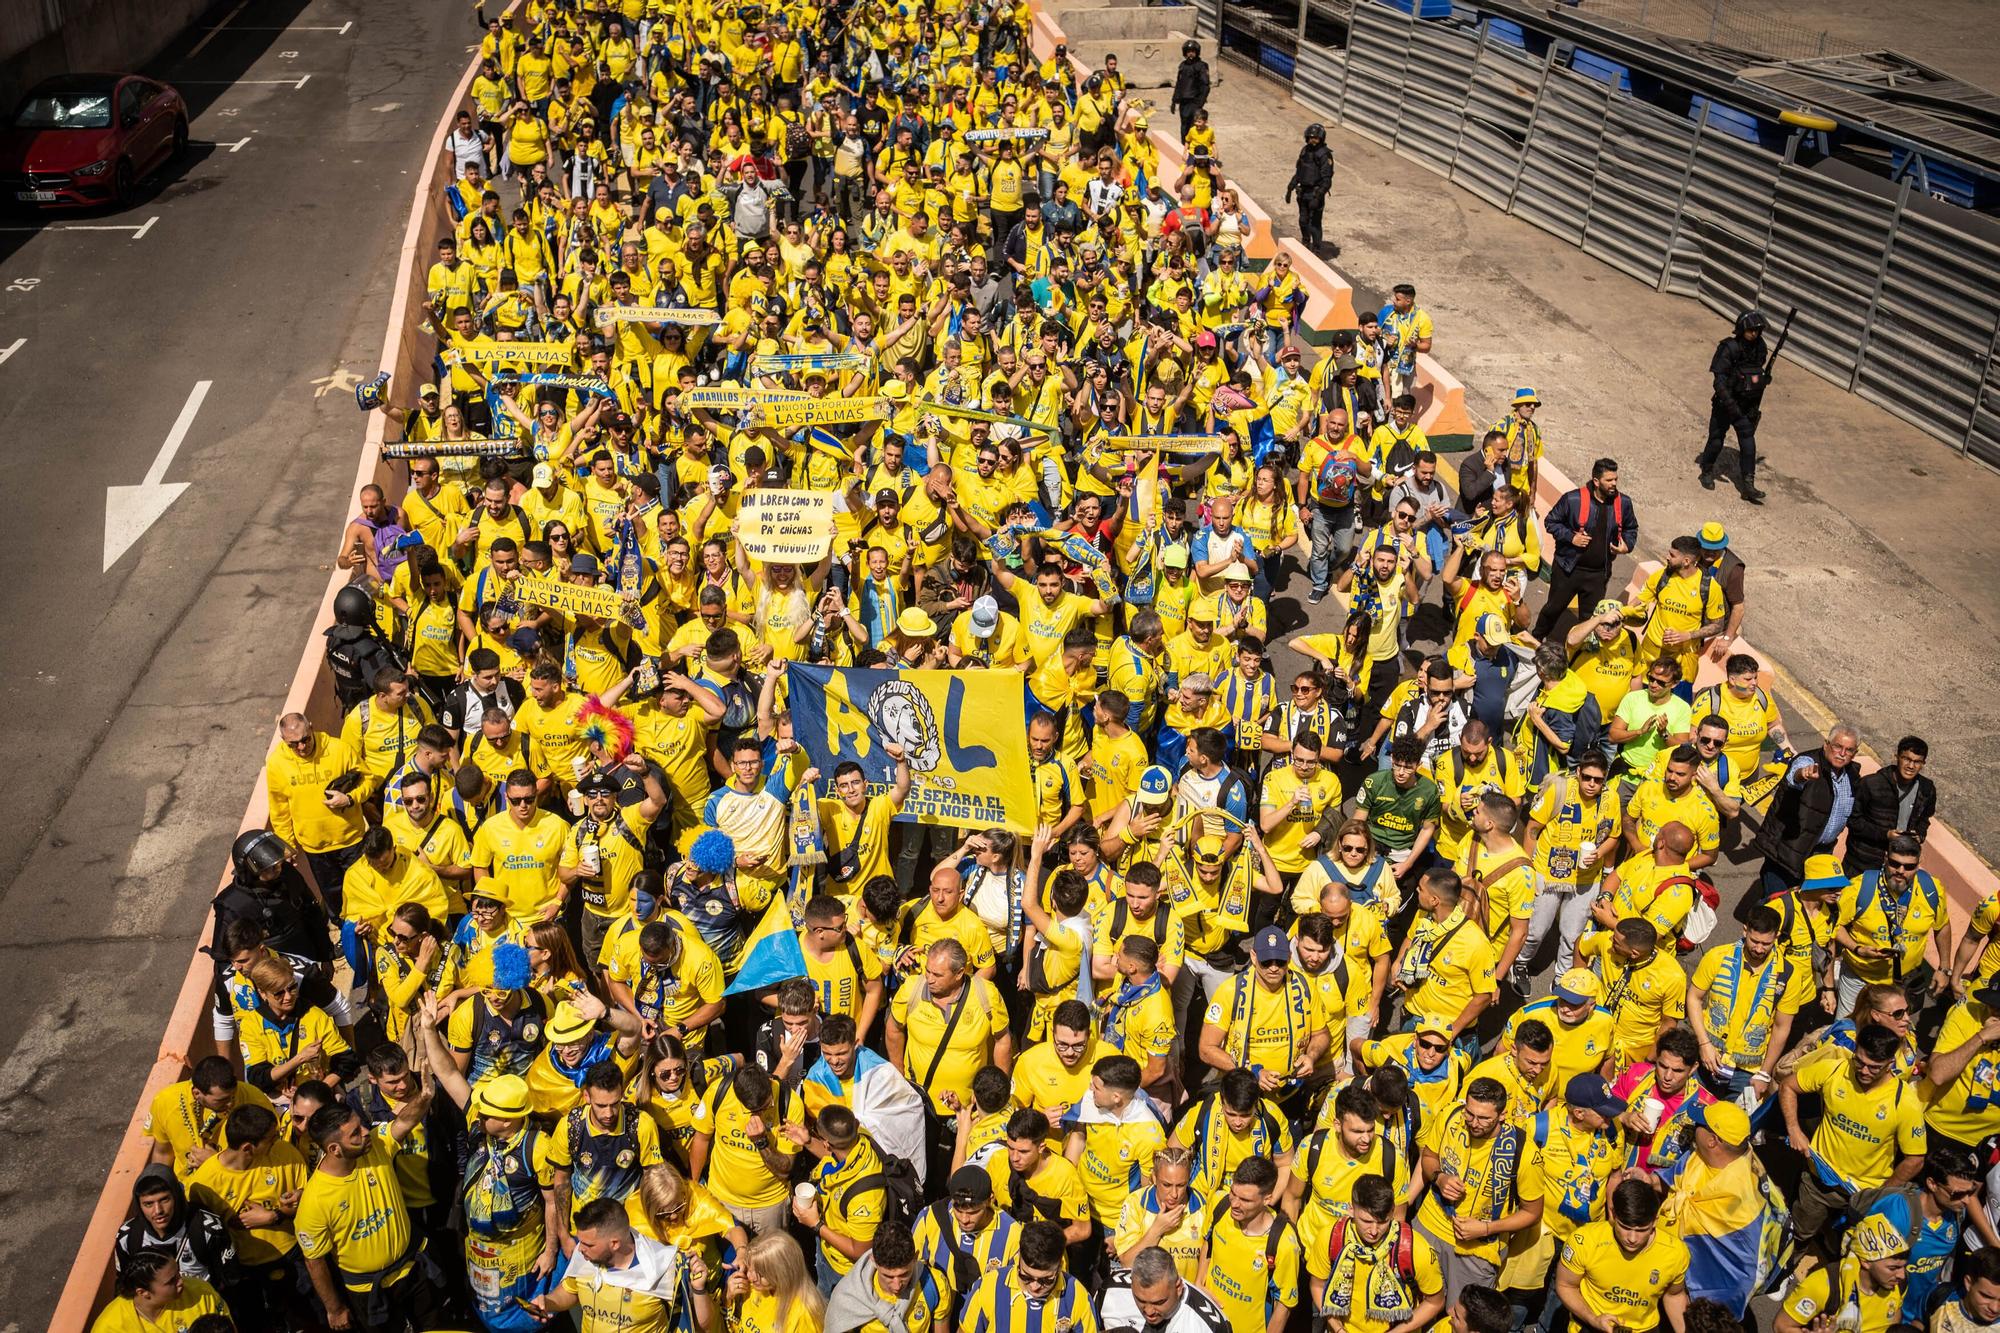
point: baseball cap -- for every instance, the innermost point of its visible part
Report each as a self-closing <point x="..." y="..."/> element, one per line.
<point x="970" y="1185"/>
<point x="985" y="616"/>
<point x="567" y="1025"/>
<point x="598" y="784"/>
<point x="504" y="1097"/>
<point x="1714" y="537"/>
<point x="1204" y="339"/>
<point x="1271" y="946"/>
<point x="1493" y="629"/>
<point x="1878" y="1236"/>
<point x="1579" y="985"/>
<point x="1589" y="1092"/>
<point x="1988" y="995"/>
<point x="428" y="391"/>
<point x="1726" y="1120"/>
<point x="583" y="562"/>
<point x="887" y="496"/>
<point x="1824" y="872"/>
<point x="544" y="475"/>
<point x="1155" y="785"/>
<point x="1208" y="849"/>
<point x="1436" y="1027"/>
<point x="1175" y="557"/>
<point x="1202" y="610"/>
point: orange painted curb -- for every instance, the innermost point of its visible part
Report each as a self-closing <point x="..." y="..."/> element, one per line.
<point x="188" y="1036"/>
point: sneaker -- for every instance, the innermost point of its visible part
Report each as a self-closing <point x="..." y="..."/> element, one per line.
<point x="1317" y="596"/>
<point x="1708" y="479"/>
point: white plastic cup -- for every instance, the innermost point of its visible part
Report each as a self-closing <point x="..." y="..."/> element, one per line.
<point x="805" y="1192"/>
<point x="1651" y="1109"/>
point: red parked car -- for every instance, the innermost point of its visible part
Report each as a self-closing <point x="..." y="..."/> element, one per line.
<point x="80" y="140"/>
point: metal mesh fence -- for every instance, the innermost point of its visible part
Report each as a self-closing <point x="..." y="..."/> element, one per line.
<point x="1739" y="23"/>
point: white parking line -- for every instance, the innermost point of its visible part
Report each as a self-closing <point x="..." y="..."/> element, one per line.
<point x="138" y="229"/>
<point x="6" y="352"/>
<point x="217" y="28"/>
<point x="342" y="29"/>
<point x="299" y="82"/>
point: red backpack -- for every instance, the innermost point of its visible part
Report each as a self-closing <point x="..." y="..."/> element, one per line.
<point x="1406" y="1249"/>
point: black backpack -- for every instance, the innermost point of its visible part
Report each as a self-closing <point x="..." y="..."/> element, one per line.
<point x="902" y="1196"/>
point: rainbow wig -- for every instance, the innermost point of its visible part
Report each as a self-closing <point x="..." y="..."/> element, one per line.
<point x="607" y="729"/>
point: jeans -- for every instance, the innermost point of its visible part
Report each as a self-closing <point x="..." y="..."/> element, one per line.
<point x="1558" y="902"/>
<point x="329" y="871"/>
<point x="1332" y="544"/>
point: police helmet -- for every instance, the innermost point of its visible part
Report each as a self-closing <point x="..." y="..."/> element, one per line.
<point x="1190" y="49"/>
<point x="257" y="853"/>
<point x="1315" y="133"/>
<point x="353" y="606"/>
<point x="1751" y="320"/>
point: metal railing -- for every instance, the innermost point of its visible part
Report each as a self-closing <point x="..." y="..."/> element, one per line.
<point x="1725" y="22"/>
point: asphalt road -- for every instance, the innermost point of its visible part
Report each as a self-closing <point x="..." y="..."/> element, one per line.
<point x="139" y="699"/>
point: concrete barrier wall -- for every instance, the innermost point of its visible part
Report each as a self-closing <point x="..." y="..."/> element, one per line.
<point x="408" y="355"/>
<point x="39" y="38"/>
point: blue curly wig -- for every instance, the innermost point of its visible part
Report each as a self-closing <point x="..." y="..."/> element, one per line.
<point x="713" y="853"/>
<point x="511" y="969"/>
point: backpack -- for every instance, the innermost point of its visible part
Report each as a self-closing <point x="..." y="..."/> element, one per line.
<point x="1701" y="918"/>
<point x="1388" y="1171"/>
<point x="1406" y="1249"/>
<point x="1280" y="1224"/>
<point x="389" y="551"/>
<point x="1617" y="512"/>
<point x="1335" y="480"/>
<point x="902" y="1196"/>
<point x="798" y="143"/>
<point x="1871" y="885"/>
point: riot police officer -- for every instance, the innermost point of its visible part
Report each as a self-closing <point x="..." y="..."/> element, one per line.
<point x="1191" y="85"/>
<point x="1742" y="371"/>
<point x="1312" y="177"/>
<point x="355" y="648"/>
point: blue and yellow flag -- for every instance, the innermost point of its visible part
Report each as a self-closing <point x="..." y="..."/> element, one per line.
<point x="960" y="731"/>
<point x="772" y="952"/>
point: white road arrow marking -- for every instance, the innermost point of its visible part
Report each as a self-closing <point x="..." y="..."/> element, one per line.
<point x="6" y="352"/>
<point x="130" y="510"/>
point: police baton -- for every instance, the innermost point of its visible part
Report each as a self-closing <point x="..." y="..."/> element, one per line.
<point x="1784" y="331"/>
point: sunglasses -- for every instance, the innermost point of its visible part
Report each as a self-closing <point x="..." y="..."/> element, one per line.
<point x="1433" y="1045"/>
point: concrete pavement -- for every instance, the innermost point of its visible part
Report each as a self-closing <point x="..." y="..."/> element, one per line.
<point x="1867" y="581"/>
<point x="140" y="698"/>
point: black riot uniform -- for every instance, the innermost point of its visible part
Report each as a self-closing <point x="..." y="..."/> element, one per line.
<point x="1312" y="178"/>
<point x="1742" y="372"/>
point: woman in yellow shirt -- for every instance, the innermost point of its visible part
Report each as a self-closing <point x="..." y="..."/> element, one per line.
<point x="153" y="1297"/>
<point x="676" y="1211"/>
<point x="773" y="1293"/>
<point x="527" y="139"/>
<point x="407" y="963"/>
